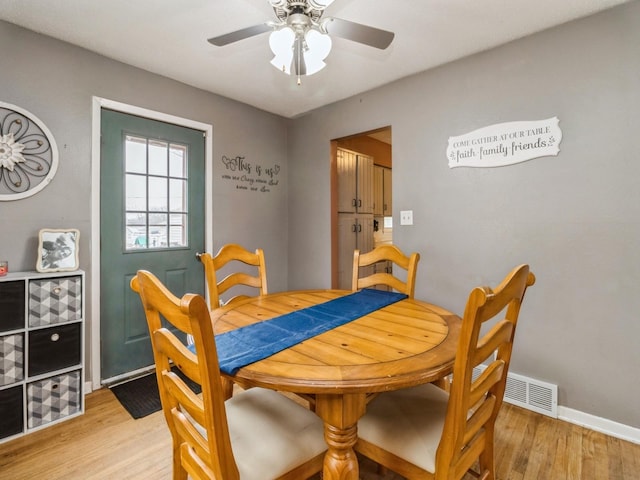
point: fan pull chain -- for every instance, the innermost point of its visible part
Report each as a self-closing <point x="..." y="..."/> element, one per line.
<point x="299" y="52"/>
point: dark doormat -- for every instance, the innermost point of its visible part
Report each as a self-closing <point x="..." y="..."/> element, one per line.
<point x="140" y="396"/>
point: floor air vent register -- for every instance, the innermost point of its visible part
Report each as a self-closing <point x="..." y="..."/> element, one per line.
<point x="528" y="393"/>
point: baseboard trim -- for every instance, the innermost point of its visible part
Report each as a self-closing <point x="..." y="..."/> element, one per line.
<point x="599" y="424"/>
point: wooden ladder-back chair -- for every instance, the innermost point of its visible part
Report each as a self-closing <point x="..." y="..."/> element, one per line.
<point x="256" y="435"/>
<point x="424" y="432"/>
<point x="227" y="254"/>
<point x="386" y="253"/>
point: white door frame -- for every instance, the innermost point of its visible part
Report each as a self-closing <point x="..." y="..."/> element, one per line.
<point x="98" y="104"/>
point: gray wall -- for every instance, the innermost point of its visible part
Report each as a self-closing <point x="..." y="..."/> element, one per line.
<point x="574" y="218"/>
<point x="56" y="81"/>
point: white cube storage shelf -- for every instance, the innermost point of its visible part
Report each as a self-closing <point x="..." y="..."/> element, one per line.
<point x="41" y="350"/>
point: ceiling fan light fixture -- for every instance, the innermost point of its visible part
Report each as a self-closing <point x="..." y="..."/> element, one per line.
<point x="319" y="43"/>
<point x="281" y="44"/>
<point x="318" y="48"/>
<point x="300" y="39"/>
<point x="314" y="46"/>
<point x="281" y="41"/>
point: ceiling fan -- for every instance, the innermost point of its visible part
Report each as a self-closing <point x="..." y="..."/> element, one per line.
<point x="301" y="37"/>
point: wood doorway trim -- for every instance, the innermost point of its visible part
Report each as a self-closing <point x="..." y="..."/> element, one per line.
<point x="334" y="214"/>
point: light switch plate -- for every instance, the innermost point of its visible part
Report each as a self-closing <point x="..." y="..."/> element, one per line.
<point x="406" y="217"/>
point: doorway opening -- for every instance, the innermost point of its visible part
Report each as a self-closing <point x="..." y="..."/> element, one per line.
<point x="361" y="169"/>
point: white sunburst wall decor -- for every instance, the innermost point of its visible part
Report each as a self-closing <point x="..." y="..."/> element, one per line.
<point x="28" y="153"/>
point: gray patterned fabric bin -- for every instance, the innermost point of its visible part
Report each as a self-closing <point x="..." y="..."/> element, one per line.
<point x="11" y="359"/>
<point x="55" y="300"/>
<point x="53" y="398"/>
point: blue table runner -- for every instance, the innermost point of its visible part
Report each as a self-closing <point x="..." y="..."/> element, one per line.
<point x="251" y="343"/>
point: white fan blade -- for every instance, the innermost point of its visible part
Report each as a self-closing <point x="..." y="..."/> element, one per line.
<point x="374" y="37"/>
<point x="228" y="38"/>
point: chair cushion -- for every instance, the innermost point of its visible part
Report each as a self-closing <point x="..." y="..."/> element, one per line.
<point x="407" y="423"/>
<point x="271" y="434"/>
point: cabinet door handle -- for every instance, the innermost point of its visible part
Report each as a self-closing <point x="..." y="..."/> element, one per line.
<point x="55" y="337"/>
<point x="359" y="203"/>
<point x="354" y="203"/>
<point x="359" y="227"/>
<point x="57" y="289"/>
<point x="354" y="228"/>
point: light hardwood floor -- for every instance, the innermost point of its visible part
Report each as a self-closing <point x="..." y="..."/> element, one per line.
<point x="106" y="443"/>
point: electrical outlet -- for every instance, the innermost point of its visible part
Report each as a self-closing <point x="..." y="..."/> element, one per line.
<point x="406" y="217"/>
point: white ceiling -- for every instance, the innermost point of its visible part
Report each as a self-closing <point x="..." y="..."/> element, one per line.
<point x="169" y="37"/>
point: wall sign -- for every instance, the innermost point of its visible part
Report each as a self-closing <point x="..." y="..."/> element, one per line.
<point x="28" y="153"/>
<point x="505" y="144"/>
<point x="250" y="176"/>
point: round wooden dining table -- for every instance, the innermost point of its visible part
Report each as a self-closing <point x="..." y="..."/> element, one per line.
<point x="401" y="345"/>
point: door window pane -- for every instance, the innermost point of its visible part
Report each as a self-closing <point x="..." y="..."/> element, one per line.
<point x="156" y="183"/>
<point x="136" y="192"/>
<point x="135" y="154"/>
<point x="178" y="230"/>
<point x="177" y="195"/>
<point x="158" y="201"/>
<point x="136" y="229"/>
<point x="178" y="161"/>
<point x="158" y="157"/>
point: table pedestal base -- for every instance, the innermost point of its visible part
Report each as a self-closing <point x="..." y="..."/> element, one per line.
<point x="340" y="414"/>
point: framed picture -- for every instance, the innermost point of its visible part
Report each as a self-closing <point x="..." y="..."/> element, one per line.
<point x="58" y="250"/>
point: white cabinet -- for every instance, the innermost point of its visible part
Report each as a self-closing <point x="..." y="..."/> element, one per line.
<point x="355" y="182"/>
<point x="382" y="191"/>
<point x="355" y="207"/>
<point x="41" y="350"/>
<point x="354" y="232"/>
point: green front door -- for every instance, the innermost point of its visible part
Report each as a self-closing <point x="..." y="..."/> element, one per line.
<point x="152" y="217"/>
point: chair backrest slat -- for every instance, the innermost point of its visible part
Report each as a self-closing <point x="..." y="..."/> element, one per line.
<point x="389" y="253"/>
<point x="228" y="254"/>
